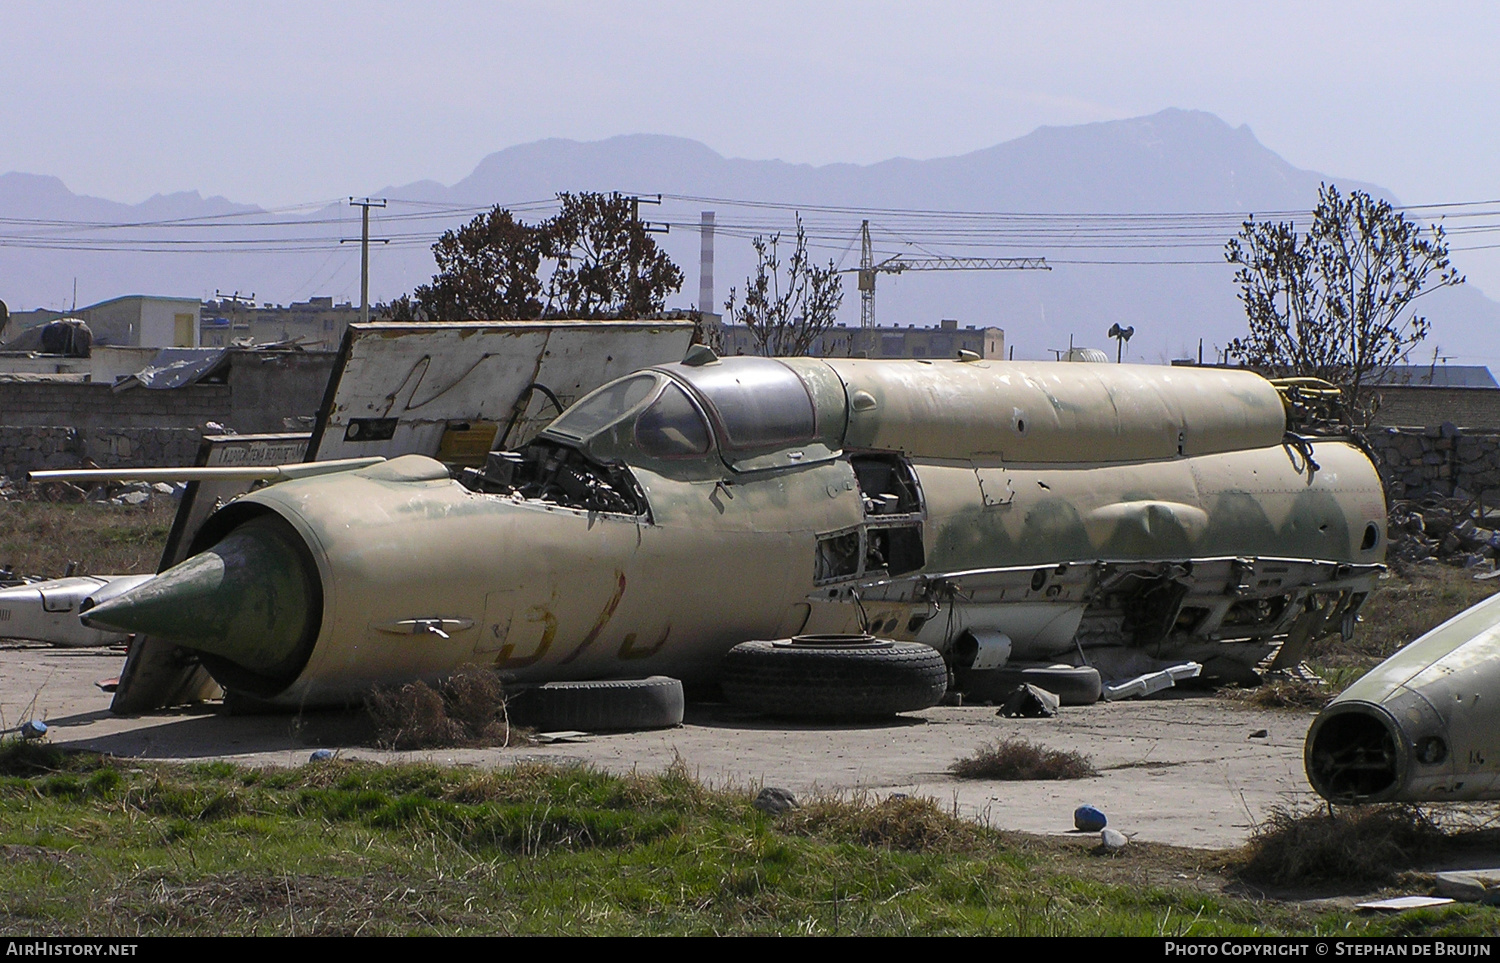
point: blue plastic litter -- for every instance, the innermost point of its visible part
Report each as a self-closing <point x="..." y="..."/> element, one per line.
<point x="33" y="729"/>
<point x="1089" y="819"/>
<point x="320" y="755"/>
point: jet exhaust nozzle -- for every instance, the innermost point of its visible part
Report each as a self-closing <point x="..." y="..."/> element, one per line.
<point x="251" y="605"/>
<point x="1354" y="754"/>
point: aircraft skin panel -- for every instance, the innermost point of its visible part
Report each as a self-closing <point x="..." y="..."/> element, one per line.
<point x="1070" y="504"/>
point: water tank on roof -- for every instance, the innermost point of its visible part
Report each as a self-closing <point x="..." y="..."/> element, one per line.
<point x="69" y="337"/>
<point x="1085" y="354"/>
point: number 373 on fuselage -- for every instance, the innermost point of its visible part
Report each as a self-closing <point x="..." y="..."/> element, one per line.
<point x="685" y="508"/>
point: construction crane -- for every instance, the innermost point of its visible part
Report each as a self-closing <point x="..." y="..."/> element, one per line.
<point x="897" y="263"/>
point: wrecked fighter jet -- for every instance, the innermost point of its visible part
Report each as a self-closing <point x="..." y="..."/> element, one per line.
<point x="1423" y="726"/>
<point x="999" y="512"/>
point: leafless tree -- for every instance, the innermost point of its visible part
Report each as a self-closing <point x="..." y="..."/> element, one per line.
<point x="786" y="312"/>
<point x="1336" y="303"/>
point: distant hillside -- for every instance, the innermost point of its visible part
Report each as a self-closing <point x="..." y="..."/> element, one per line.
<point x="1173" y="161"/>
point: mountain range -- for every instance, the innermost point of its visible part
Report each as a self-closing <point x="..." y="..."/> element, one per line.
<point x="1076" y="195"/>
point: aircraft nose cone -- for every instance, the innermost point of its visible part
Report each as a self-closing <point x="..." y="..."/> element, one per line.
<point x="251" y="605"/>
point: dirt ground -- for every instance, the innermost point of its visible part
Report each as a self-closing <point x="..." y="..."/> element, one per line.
<point x="1187" y="769"/>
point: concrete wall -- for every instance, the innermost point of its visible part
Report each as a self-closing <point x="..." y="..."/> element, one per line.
<point x="1415" y="405"/>
<point x="89" y="405"/>
<point x="56" y="424"/>
<point x="269" y="386"/>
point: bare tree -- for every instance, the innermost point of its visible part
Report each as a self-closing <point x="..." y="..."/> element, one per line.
<point x="1336" y="302"/>
<point x="786" y="314"/>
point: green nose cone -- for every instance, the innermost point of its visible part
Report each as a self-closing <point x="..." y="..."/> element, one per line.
<point x="253" y="601"/>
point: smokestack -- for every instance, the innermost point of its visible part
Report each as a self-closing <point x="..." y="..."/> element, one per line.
<point x="706" y="265"/>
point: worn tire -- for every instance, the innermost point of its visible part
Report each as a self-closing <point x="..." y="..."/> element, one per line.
<point x="1074" y="685"/>
<point x="652" y="703"/>
<point x="834" y="677"/>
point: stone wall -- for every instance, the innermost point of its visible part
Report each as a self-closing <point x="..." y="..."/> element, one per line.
<point x="1447" y="461"/>
<point x="34" y="448"/>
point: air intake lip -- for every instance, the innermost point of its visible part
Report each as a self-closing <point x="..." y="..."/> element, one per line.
<point x="1355" y="753"/>
<point x="250" y="606"/>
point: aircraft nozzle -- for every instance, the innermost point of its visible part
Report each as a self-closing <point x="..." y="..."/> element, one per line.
<point x="1397" y="750"/>
<point x="251" y="605"/>
<point x="1353" y="753"/>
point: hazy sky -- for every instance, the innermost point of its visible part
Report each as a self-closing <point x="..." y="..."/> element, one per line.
<point x="278" y="103"/>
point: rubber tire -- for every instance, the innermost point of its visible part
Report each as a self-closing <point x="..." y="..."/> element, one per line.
<point x="1074" y="685"/>
<point x="653" y="703"/>
<point x="849" y="681"/>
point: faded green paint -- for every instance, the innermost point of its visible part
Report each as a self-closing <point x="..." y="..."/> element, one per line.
<point x="1239" y="519"/>
<point x="720" y="554"/>
<point x="249" y="598"/>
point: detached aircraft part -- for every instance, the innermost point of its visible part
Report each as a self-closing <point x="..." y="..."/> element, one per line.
<point x="1074" y="685"/>
<point x="1423" y="726"/>
<point x="834" y="677"/>
<point x="614" y="705"/>
<point x="47" y="611"/>
<point x="1044" y="509"/>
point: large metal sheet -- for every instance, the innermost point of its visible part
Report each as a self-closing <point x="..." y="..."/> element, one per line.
<point x="399" y="387"/>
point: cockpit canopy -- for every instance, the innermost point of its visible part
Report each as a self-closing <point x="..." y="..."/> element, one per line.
<point x="749" y="408"/>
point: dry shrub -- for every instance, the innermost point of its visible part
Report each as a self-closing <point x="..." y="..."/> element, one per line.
<point x="908" y="823"/>
<point x="465" y="709"/>
<point x="1366" y="844"/>
<point x="1289" y="694"/>
<point x="1019" y="759"/>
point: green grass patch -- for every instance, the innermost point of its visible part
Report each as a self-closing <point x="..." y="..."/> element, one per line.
<point x="344" y="848"/>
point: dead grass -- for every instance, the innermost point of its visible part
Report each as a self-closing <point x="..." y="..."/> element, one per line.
<point x="909" y="823"/>
<point x="1402" y="607"/>
<point x="1289" y="694"/>
<point x="1367" y="844"/>
<point x="1019" y="759"/>
<point x="41" y="538"/>
<point x="466" y="709"/>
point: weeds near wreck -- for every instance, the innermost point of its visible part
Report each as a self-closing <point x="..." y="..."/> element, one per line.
<point x="910" y="823"/>
<point x="1365" y="844"/>
<point x="1019" y="759"/>
<point x="465" y="709"/>
<point x="1290" y="694"/>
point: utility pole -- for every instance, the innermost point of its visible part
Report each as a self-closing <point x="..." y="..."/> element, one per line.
<point x="866" y="278"/>
<point x="364" y="253"/>
<point x="647" y="226"/>
<point x="235" y="300"/>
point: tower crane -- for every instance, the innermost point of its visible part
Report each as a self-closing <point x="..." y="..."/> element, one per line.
<point x="897" y="263"/>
